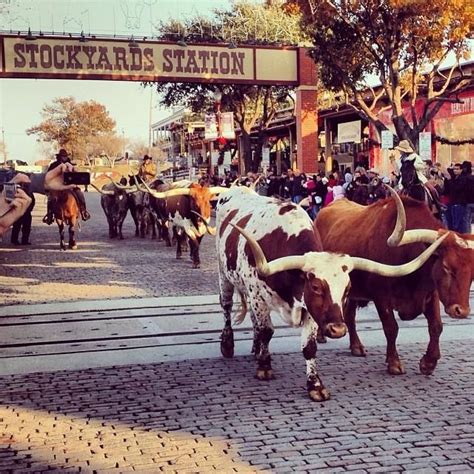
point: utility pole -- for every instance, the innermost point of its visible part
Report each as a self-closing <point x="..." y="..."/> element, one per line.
<point x="149" y="121"/>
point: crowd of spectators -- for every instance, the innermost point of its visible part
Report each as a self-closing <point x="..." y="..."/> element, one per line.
<point x="454" y="184"/>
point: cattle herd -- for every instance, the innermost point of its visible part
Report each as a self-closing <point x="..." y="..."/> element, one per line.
<point x="313" y="274"/>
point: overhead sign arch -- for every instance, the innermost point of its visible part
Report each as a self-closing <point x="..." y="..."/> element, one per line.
<point x="67" y="57"/>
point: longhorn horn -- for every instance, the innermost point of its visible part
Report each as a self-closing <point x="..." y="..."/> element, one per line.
<point x="396" y="270"/>
<point x="105" y="192"/>
<point x="165" y="194"/>
<point x="120" y="186"/>
<point x="218" y="189"/>
<point x="294" y="262"/>
<point x="401" y="223"/>
<point x="210" y="230"/>
<point x="401" y="236"/>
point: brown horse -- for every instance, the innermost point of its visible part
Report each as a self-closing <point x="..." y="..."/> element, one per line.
<point x="66" y="211"/>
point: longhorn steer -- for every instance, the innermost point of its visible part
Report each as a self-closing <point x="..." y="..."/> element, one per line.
<point x="115" y="203"/>
<point x="188" y="211"/>
<point x="306" y="286"/>
<point x="364" y="232"/>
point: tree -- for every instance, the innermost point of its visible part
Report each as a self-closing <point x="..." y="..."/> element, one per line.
<point x="403" y="42"/>
<point x="73" y="125"/>
<point x="109" y="145"/>
<point x="252" y="105"/>
<point x="138" y="149"/>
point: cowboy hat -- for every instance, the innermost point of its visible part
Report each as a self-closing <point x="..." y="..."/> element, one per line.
<point x="374" y="171"/>
<point x="146" y="157"/>
<point x="404" y="146"/>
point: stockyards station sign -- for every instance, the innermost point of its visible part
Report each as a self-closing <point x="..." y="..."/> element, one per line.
<point x="68" y="58"/>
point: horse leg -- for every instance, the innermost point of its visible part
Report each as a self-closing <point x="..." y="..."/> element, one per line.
<point x="62" y="244"/>
<point x="72" y="234"/>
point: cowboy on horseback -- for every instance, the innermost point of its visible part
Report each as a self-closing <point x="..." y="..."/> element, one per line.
<point x="407" y="153"/>
<point x="63" y="157"/>
<point x="414" y="182"/>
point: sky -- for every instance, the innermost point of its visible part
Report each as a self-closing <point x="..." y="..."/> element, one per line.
<point x="21" y="100"/>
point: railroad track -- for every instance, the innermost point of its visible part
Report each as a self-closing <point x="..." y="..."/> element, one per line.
<point x="115" y="331"/>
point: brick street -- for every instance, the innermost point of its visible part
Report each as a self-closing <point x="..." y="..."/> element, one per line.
<point x="100" y="268"/>
<point x="108" y="384"/>
<point x="213" y="415"/>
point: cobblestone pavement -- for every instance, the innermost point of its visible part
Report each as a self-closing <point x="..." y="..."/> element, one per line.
<point x="101" y="267"/>
<point x="213" y="415"/>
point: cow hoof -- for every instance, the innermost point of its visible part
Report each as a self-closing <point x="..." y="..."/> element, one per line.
<point x="227" y="350"/>
<point x="396" y="368"/>
<point x="319" y="394"/>
<point x="73" y="247"/>
<point x="358" y="351"/>
<point x="227" y="343"/>
<point x="196" y="265"/>
<point x="265" y="374"/>
<point x="427" y="367"/>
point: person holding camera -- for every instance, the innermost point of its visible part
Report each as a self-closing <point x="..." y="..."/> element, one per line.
<point x="62" y="157"/>
<point x="14" y="202"/>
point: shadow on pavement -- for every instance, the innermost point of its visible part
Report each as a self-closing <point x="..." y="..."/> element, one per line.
<point x="212" y="414"/>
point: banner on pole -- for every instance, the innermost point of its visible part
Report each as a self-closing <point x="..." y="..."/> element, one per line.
<point x="227" y="125"/>
<point x="387" y="139"/>
<point x="210" y="127"/>
<point x="424" y="142"/>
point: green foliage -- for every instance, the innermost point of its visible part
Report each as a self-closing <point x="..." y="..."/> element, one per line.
<point x="403" y="42"/>
<point x="73" y="125"/>
<point x="248" y="23"/>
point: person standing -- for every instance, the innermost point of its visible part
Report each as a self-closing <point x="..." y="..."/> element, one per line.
<point x="23" y="224"/>
<point x="457" y="190"/>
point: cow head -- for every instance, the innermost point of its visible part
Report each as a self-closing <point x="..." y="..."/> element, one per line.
<point x="201" y="208"/>
<point x="452" y="275"/>
<point x="327" y="280"/>
<point x="326" y="286"/>
<point x="452" y="270"/>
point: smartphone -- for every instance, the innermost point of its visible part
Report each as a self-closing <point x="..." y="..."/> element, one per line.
<point x="77" y="177"/>
<point x="10" y="191"/>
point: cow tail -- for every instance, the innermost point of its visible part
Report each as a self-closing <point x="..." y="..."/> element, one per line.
<point x="240" y="316"/>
